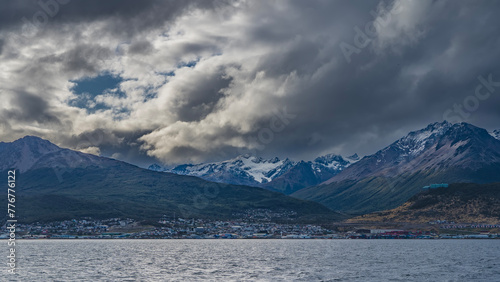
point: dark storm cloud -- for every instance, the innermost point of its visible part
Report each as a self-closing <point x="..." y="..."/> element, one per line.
<point x="229" y="70"/>
<point x="126" y="17"/>
<point x="203" y="97"/>
<point x="116" y="144"/>
<point x="84" y="58"/>
<point x="377" y="93"/>
<point x="31" y="108"/>
<point x="141" y="47"/>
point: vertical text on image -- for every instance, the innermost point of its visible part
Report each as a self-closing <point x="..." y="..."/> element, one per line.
<point x="11" y="221"/>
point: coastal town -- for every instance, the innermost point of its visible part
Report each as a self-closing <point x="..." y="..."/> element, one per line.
<point x="254" y="224"/>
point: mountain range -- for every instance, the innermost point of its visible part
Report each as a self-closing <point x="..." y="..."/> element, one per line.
<point x="54" y="183"/>
<point x="440" y="153"/>
<point x="284" y="176"/>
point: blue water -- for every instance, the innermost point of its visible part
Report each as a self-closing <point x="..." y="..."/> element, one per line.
<point x="261" y="260"/>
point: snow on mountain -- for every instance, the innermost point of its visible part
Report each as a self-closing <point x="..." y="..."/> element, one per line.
<point x="250" y="168"/>
<point x="330" y="161"/>
<point x="256" y="171"/>
<point x="156" y="167"/>
<point x="440" y="153"/>
<point x="417" y="141"/>
<point x="262" y="170"/>
<point x="354" y="158"/>
<point x="438" y="146"/>
<point x="496" y="134"/>
<point x="257" y="168"/>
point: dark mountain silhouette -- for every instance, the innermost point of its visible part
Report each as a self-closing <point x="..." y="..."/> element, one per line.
<point x="56" y="184"/>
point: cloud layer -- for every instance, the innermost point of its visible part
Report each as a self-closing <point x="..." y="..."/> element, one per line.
<point x="207" y="80"/>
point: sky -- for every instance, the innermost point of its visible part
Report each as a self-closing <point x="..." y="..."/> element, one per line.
<point x="191" y="81"/>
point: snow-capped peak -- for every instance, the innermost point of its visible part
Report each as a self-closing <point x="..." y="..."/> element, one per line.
<point x="416" y="141"/>
<point x="255" y="168"/>
<point x="331" y="161"/>
<point x="259" y="168"/>
<point x="353" y="158"/>
<point x="156" y="167"/>
<point x="258" y="171"/>
<point x="326" y="159"/>
<point x="496" y="134"/>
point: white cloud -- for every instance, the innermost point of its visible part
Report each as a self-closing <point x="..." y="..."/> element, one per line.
<point x="204" y="83"/>
<point x="91" y="150"/>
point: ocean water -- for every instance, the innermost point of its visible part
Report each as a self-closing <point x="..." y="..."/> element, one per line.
<point x="257" y="260"/>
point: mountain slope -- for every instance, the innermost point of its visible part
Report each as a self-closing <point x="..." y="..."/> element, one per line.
<point x="54" y="184"/>
<point x="284" y="176"/>
<point x="496" y="134"/>
<point x="461" y="203"/>
<point x="441" y="152"/>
